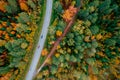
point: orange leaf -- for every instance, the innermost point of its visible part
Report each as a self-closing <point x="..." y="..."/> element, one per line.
<point x="44" y="52"/>
<point x="24" y="6"/>
<point x="2" y="6"/>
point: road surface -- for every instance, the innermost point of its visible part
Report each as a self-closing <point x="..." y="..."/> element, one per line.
<point x="42" y="37"/>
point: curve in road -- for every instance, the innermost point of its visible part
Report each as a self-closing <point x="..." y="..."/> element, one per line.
<point x="37" y="54"/>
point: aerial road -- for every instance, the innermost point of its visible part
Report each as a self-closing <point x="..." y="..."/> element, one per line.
<point x="32" y="70"/>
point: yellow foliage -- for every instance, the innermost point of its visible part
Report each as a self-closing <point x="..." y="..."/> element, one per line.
<point x="101" y="54"/>
<point x="58" y="47"/>
<point x="49" y="61"/>
<point x="58" y="33"/>
<point x="113" y="53"/>
<point x="116" y="61"/>
<point x="2" y="42"/>
<point x="99" y="36"/>
<point x="118" y="24"/>
<point x="52" y="42"/>
<point x="87" y="39"/>
<point x="8" y="29"/>
<point x="55" y="22"/>
<point x="99" y="63"/>
<point x="29" y="37"/>
<point x="57" y="55"/>
<point x="108" y="35"/>
<point x="24" y="45"/>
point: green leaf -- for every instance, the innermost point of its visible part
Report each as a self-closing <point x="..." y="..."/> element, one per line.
<point x="22" y="28"/>
<point x="2" y="49"/>
<point x="21" y="64"/>
<point x="53" y="69"/>
<point x="87" y="23"/>
<point x="91" y="52"/>
<point x="94" y="44"/>
<point x="78" y="2"/>
<point x="88" y="32"/>
<point x="55" y="61"/>
<point x="73" y="58"/>
<point x="12" y="3"/>
<point x="93" y="17"/>
<point x="66" y="65"/>
<point x="78" y="39"/>
<point x="58" y="7"/>
<point x="95" y="70"/>
<point x="67" y="57"/>
<point x="77" y="74"/>
<point x="3" y="28"/>
<point x="104" y="60"/>
<point x="18" y="54"/>
<point x="83" y="76"/>
<point x="94" y="3"/>
<point x="104" y="6"/>
<point x="61" y="58"/>
<point x="70" y="35"/>
<point x="90" y="61"/>
<point x="12" y="6"/>
<point x="14" y="62"/>
<point x="23" y="17"/>
<point x="83" y="13"/>
<point x="61" y="25"/>
<point x="91" y="9"/>
<point x="94" y="29"/>
<point x="70" y="42"/>
<point x="81" y="55"/>
<point x="31" y="4"/>
<point x="88" y="45"/>
<point x="75" y="51"/>
<point x="110" y="42"/>
<point x="84" y="67"/>
<point x="82" y="49"/>
<point x="14" y="45"/>
<point x="61" y="51"/>
<point x="8" y="46"/>
<point x="78" y="47"/>
<point x="4" y="70"/>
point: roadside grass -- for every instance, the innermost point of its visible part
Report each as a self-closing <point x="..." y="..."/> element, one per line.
<point x="36" y="38"/>
<point x="41" y="60"/>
